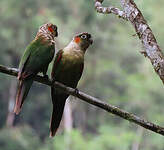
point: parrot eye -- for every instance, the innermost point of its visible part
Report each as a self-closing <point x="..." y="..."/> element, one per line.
<point x="84" y="36"/>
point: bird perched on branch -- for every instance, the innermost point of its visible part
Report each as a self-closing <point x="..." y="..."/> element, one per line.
<point x="36" y="58"/>
<point x="67" y="69"/>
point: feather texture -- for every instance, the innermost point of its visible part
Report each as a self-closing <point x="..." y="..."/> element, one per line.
<point x="68" y="72"/>
<point x="36" y="58"/>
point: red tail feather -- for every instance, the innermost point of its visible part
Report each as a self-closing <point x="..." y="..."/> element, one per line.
<point x="17" y="107"/>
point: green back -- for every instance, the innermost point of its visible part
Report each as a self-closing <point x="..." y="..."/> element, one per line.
<point x="36" y="57"/>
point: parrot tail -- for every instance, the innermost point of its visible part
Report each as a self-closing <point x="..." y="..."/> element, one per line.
<point x="22" y="91"/>
<point x="58" y="101"/>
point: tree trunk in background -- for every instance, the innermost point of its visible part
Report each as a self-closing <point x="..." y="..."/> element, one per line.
<point x="136" y="143"/>
<point x="12" y="93"/>
<point x="68" y="115"/>
<point x="68" y="122"/>
<point x="12" y="89"/>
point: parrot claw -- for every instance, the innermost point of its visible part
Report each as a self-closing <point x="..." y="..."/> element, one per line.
<point x="46" y="76"/>
<point x="53" y="80"/>
<point x="76" y="91"/>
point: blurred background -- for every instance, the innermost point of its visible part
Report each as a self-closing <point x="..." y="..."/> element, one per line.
<point x="115" y="72"/>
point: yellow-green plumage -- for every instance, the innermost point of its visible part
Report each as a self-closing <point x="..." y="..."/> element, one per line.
<point x="67" y="69"/>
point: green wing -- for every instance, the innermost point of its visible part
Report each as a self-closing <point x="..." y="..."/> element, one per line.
<point x="36" y="57"/>
<point x="25" y="57"/>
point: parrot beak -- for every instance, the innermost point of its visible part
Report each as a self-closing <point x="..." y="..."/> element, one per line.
<point x="91" y="41"/>
<point x="56" y="35"/>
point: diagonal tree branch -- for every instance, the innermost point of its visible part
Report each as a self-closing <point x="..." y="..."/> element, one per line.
<point x="145" y="34"/>
<point x="92" y="100"/>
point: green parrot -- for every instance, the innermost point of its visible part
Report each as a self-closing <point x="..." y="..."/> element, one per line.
<point x="67" y="69"/>
<point x="36" y="58"/>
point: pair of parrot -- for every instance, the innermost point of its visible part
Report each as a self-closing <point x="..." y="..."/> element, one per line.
<point x="67" y="68"/>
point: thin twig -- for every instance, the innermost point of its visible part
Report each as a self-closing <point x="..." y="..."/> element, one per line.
<point x="92" y="100"/>
<point x="108" y="10"/>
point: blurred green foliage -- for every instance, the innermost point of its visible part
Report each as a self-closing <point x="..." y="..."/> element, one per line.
<point x="115" y="71"/>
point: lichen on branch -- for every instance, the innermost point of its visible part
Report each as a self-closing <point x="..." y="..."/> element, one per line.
<point x="133" y="14"/>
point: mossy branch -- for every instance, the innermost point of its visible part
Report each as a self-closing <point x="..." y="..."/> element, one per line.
<point x="92" y="100"/>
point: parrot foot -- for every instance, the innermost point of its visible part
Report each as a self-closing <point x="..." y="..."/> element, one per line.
<point x="46" y="76"/>
<point x="53" y="80"/>
<point x="76" y="91"/>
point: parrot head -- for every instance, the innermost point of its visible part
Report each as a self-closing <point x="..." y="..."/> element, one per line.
<point x="84" y="40"/>
<point x="50" y="29"/>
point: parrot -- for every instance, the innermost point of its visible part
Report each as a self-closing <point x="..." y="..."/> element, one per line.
<point x="36" y="58"/>
<point x="67" y="69"/>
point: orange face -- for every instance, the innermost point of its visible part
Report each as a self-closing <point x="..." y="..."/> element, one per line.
<point x="50" y="29"/>
<point x="53" y="29"/>
<point x="83" y="38"/>
<point x="77" y="40"/>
